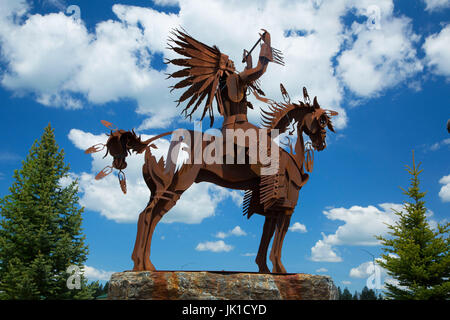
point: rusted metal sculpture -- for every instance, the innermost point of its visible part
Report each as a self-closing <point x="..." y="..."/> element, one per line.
<point x="210" y="74"/>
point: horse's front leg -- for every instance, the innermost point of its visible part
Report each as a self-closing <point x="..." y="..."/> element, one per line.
<point x="268" y="230"/>
<point x="282" y="226"/>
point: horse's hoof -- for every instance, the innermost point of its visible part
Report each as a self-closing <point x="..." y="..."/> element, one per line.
<point x="148" y="266"/>
<point x="264" y="269"/>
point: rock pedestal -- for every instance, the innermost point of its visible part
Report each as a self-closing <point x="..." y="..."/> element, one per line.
<point x="211" y="285"/>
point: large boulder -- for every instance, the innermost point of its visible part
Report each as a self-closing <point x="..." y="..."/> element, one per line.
<point x="209" y="285"/>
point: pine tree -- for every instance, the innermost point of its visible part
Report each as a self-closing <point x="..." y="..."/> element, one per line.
<point x="415" y="255"/>
<point x="367" y="294"/>
<point x="346" y="295"/>
<point x="40" y="228"/>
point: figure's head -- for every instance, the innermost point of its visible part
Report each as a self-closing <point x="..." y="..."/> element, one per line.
<point x="314" y="124"/>
<point x="226" y="64"/>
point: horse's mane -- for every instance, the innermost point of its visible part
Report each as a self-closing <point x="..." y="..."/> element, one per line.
<point x="280" y="115"/>
<point x="133" y="142"/>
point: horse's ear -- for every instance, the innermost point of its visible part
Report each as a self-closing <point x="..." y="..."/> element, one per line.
<point x="306" y="96"/>
<point x="284" y="93"/>
<point x="315" y="103"/>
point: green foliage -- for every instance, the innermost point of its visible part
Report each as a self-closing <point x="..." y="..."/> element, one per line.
<point x="40" y="228"/>
<point x="365" y="294"/>
<point x="415" y="255"/>
<point x="346" y="295"/>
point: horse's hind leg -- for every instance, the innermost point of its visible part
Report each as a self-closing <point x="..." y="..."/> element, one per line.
<point x="165" y="200"/>
<point x="282" y="226"/>
<point x="268" y="230"/>
<point x="150" y="218"/>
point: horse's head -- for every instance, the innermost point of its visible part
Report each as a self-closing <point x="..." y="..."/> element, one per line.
<point x="119" y="145"/>
<point x="314" y="124"/>
<point x="309" y="117"/>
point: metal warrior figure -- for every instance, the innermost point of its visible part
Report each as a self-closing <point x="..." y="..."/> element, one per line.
<point x="210" y="75"/>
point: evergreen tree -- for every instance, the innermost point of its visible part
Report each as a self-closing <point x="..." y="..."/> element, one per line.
<point x="415" y="255"/>
<point x="40" y="228"/>
<point x="355" y="296"/>
<point x="367" y="294"/>
<point x="339" y="293"/>
<point x="346" y="295"/>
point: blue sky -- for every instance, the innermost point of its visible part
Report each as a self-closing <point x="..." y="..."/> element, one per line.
<point x="384" y="68"/>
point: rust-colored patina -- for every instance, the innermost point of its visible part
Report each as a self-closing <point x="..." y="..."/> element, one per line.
<point x="211" y="75"/>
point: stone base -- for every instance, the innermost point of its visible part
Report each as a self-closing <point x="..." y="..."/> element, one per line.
<point x="211" y="285"/>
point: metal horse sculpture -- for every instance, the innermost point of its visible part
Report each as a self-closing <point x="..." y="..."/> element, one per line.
<point x="273" y="196"/>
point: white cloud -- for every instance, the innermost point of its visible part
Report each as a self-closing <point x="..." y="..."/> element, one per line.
<point x="216" y="246"/>
<point x="323" y="252"/>
<point x="346" y="282"/>
<point x="95" y="274"/>
<point x="320" y="270"/>
<point x="236" y="231"/>
<point x="444" y="193"/>
<point x="298" y="227"/>
<point x="437" y="49"/>
<point x="435" y="5"/>
<point x="166" y="2"/>
<point x="58" y="60"/>
<point x="361" y="271"/>
<point x="105" y="196"/>
<point x="381" y="55"/>
<point x="438" y="145"/>
<point x="360" y="227"/>
<point x="248" y="254"/>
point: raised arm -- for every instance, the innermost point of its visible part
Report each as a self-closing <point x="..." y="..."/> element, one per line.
<point x="265" y="56"/>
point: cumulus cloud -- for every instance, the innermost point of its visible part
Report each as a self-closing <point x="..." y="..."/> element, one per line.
<point x="320" y="270"/>
<point x="214" y="246"/>
<point x="361" y="271"/>
<point x="437" y="51"/>
<point x="298" y="227"/>
<point x="62" y="63"/>
<point x="95" y="274"/>
<point x="435" y="5"/>
<point x="444" y="193"/>
<point x="323" y="252"/>
<point x="378" y="55"/>
<point x="105" y="196"/>
<point x="236" y="231"/>
<point x="361" y="225"/>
